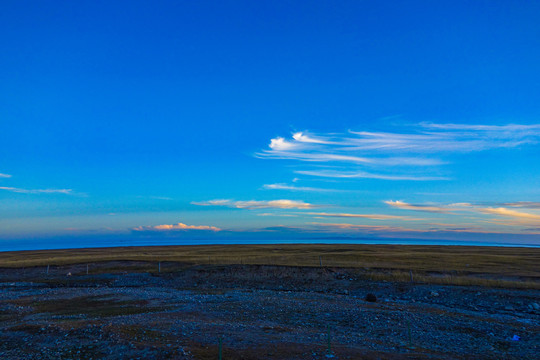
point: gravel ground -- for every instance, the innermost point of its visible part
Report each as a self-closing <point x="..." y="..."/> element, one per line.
<point x="258" y="312"/>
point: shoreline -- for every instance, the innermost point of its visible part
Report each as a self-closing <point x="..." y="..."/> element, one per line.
<point x="25" y="245"/>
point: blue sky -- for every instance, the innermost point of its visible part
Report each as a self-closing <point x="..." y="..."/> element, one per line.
<point x="260" y="120"/>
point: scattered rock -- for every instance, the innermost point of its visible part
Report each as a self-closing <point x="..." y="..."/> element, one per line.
<point x="404" y="313"/>
<point x="371" y="297"/>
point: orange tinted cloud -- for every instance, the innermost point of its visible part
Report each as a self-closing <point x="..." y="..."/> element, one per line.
<point x="179" y="226"/>
<point x="511" y="213"/>
<point x="341" y="226"/>
<point x="364" y="216"/>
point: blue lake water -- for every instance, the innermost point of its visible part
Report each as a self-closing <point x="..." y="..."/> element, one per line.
<point x="67" y="243"/>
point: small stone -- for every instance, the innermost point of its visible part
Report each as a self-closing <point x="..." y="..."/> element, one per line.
<point x="434" y="293"/>
<point x="535" y="306"/>
<point x="371" y="297"/>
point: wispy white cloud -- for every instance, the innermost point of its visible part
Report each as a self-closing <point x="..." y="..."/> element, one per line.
<point x="364" y="216"/>
<point x="427" y="208"/>
<point x="506" y="130"/>
<point x="522" y="204"/>
<point x="37" y="191"/>
<point x="280" y="144"/>
<point x="346" y="227"/>
<point x="218" y="202"/>
<point x="34" y="191"/>
<point x="277" y="214"/>
<point x="450" y="138"/>
<point x="362" y="174"/>
<point x="319" y="157"/>
<point x="105" y="229"/>
<point x="472" y="229"/>
<point x="313" y="139"/>
<point x="510" y="213"/>
<point x="296" y="188"/>
<point x="173" y="227"/>
<point x="510" y="217"/>
<point x="258" y="204"/>
<point x="383" y="152"/>
<point x="355" y="227"/>
<point x="389" y="230"/>
<point x="165" y="198"/>
<point x="514" y="222"/>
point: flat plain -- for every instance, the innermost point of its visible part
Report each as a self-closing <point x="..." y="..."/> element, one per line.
<point x="271" y="302"/>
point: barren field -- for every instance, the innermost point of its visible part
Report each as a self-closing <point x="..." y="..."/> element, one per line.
<point x="271" y="302"/>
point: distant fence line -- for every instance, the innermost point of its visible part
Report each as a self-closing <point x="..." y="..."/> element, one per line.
<point x="368" y="271"/>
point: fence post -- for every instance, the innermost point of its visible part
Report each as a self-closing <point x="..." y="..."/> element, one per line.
<point x="320" y="261"/>
<point x="159" y="266"/>
<point x="86" y="269"/>
<point x="409" y="331"/>
<point x="47" y="269"/>
<point x="329" y="347"/>
<point x="410" y="273"/>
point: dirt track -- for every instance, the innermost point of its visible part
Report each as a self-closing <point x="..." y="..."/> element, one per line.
<point x="260" y="312"/>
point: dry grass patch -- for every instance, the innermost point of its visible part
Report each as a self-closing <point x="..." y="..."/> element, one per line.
<point x="448" y="279"/>
<point x="464" y="265"/>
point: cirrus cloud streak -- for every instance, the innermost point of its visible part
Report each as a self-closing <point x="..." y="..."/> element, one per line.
<point x="173" y="227"/>
<point x="383" y="152"/>
<point x="510" y="213"/>
<point x="355" y="227"/>
<point x="518" y="217"/>
<point x="428" y="208"/>
<point x="296" y="188"/>
<point x="37" y="191"/>
<point x="364" y="216"/>
<point x="258" y="204"/>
